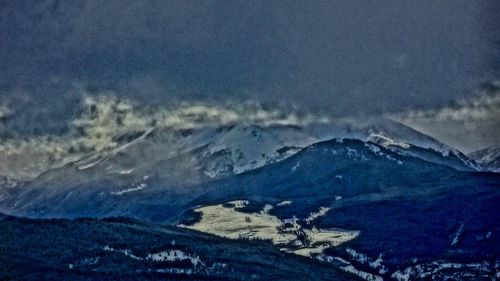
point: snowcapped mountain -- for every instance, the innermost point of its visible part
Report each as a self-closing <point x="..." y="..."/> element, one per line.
<point x="203" y="154"/>
<point x="105" y="186"/>
<point x="372" y="128"/>
<point x="397" y="137"/>
<point x="242" y="148"/>
<point x="114" y="139"/>
<point x="488" y="157"/>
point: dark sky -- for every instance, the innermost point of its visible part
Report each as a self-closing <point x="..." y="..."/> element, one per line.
<point x="341" y="57"/>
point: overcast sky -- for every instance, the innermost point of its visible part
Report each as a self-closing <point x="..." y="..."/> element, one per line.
<point x="338" y="57"/>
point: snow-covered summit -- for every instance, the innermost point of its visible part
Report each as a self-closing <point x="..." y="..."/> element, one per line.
<point x="396" y="136"/>
<point x="246" y="148"/>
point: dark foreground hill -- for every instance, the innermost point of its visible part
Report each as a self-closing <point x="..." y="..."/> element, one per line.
<point x="125" y="249"/>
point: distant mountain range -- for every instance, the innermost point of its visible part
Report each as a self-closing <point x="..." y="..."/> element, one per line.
<point x="380" y="202"/>
<point x="208" y="153"/>
<point x="173" y="162"/>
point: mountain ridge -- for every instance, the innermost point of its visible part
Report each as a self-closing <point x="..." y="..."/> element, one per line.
<point x="488" y="157"/>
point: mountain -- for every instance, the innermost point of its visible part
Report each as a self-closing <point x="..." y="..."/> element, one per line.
<point x="328" y="193"/>
<point x="107" y="186"/>
<point x="334" y="202"/>
<point x="109" y="136"/>
<point x="488" y="157"/>
<point x="393" y="134"/>
<point x="204" y="154"/>
<point x="103" y="188"/>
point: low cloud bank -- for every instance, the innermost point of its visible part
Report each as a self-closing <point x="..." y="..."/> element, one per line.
<point x="468" y="125"/>
<point x="105" y="119"/>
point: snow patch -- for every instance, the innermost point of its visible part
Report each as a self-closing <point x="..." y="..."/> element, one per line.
<point x="238" y="203"/>
<point x="445" y="270"/>
<point x="457" y="234"/>
<point x="164" y="256"/>
<point x="126" y="172"/>
<point x="364" y="259"/>
<point x="362" y="274"/>
<point x="349" y="268"/>
<point x="126" y="252"/>
<point x="267" y="208"/>
<point x="121" y="192"/>
<point x="174" y="255"/>
<point x="386" y="141"/>
<point x="284" y="203"/>
<point x="296" y="166"/>
<point x="315" y="215"/>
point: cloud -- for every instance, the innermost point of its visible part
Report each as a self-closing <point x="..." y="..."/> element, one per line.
<point x="483" y="107"/>
<point x="468" y="124"/>
<point x="106" y="116"/>
<point x="105" y="119"/>
<point x="4" y="112"/>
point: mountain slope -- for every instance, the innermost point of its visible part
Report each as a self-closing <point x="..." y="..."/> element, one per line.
<point x="488" y="157"/>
